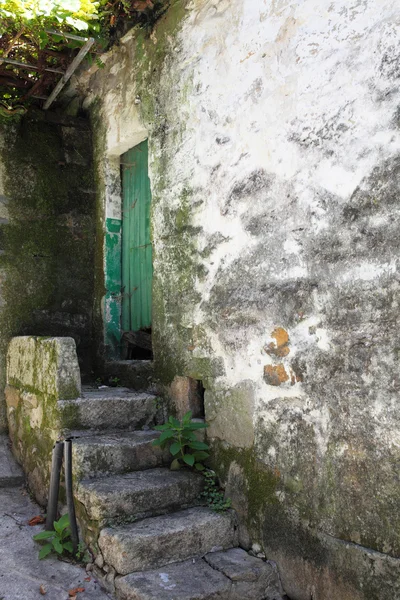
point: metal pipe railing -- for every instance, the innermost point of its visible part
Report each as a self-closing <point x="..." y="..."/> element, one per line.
<point x="70" y="494"/>
<point x="54" y="488"/>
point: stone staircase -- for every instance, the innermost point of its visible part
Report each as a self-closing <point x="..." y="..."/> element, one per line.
<point x="151" y="537"/>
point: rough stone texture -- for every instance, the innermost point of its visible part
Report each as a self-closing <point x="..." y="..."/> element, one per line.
<point x="252" y="578"/>
<point x="109" y="408"/>
<point x="46" y="232"/>
<point x="189" y="580"/>
<point x="118" y="452"/>
<point x="21" y="573"/>
<point x="40" y="371"/>
<point x="10" y="473"/>
<point x="231" y="575"/>
<point x="274" y="163"/>
<point x="185" y="396"/>
<point x="229" y="414"/>
<point x="135" y="374"/>
<point x="161" y="540"/>
<point x="121" y="497"/>
<point x="378" y="572"/>
<point x="44" y="366"/>
<point x="4" y="217"/>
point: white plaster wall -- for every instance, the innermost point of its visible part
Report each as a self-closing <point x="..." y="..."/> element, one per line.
<point x="282" y="120"/>
<point x="273" y="74"/>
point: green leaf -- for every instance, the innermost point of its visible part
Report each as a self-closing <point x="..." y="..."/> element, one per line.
<point x="189" y="435"/>
<point x="200" y="455"/>
<point x="44" y="535"/>
<point x="199" y="467"/>
<point x="57" y="527"/>
<point x="57" y="545"/>
<point x="175" y="465"/>
<point x="199" y="446"/>
<point x="156" y="442"/>
<point x="189" y="459"/>
<point x="66" y="533"/>
<point x="68" y="546"/>
<point x="161" y="427"/>
<point x="62" y="523"/>
<point x="175" y="448"/>
<point x="45" y="551"/>
<point x="174" y="422"/>
<point x="187" y="417"/>
<point x="166" y="435"/>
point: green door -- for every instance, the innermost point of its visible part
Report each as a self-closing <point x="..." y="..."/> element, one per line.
<point x="137" y="267"/>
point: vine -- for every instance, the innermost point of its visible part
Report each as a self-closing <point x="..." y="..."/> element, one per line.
<point x="32" y="32"/>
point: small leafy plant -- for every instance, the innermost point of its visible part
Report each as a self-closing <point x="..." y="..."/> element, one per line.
<point x="58" y="540"/>
<point x="82" y="553"/>
<point x="212" y="494"/>
<point x="184" y="445"/>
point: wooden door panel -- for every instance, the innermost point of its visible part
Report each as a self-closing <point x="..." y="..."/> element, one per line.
<point x="137" y="267"/>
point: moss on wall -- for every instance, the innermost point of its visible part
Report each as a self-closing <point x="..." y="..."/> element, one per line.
<point x="99" y="144"/>
<point x="48" y="243"/>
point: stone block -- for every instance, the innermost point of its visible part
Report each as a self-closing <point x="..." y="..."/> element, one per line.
<point x="13" y="396"/>
<point x="40" y="372"/>
<point x="252" y="578"/>
<point x="157" y="541"/>
<point x="110" y="408"/>
<point x="189" y="580"/>
<point x="186" y="396"/>
<point x="229" y="414"/>
<point x="44" y="365"/>
<point x="113" y="453"/>
<point x="123" y="497"/>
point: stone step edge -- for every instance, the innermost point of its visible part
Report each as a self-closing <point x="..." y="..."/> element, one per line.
<point x="118" y="452"/>
<point x="223" y="535"/>
<point x="87" y="486"/>
<point x="231" y="586"/>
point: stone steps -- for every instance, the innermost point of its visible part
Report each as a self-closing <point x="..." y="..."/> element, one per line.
<point x="136" y="374"/>
<point x="109" y="408"/>
<point x="115" y="453"/>
<point x="141" y="493"/>
<point x="143" y="522"/>
<point x="230" y="575"/>
<point x="157" y="541"/>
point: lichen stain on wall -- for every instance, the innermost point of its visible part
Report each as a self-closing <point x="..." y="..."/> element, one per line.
<point x="274" y="141"/>
<point x="47" y="258"/>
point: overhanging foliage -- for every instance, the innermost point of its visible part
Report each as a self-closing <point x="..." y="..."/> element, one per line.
<point x="25" y="37"/>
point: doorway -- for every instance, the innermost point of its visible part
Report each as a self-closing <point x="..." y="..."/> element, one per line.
<point x="137" y="265"/>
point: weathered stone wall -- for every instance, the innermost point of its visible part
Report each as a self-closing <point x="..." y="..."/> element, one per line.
<point x="274" y="140"/>
<point x="40" y="372"/>
<point x="47" y="247"/>
<point x="3" y="221"/>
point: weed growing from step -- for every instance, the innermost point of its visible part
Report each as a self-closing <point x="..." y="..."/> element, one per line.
<point x="58" y="540"/>
<point x="83" y="554"/>
<point x="212" y="493"/>
<point x="184" y="445"/>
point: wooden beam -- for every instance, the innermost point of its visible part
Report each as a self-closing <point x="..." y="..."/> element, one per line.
<point x="69" y="72"/>
<point x="22" y="65"/>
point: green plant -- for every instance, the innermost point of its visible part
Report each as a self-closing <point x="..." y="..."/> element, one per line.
<point x="184" y="445"/>
<point x="58" y="540"/>
<point x="212" y="493"/>
<point x="83" y="554"/>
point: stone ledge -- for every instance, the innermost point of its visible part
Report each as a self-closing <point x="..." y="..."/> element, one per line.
<point x="44" y="365"/>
